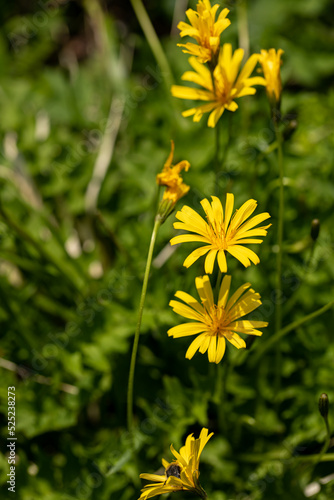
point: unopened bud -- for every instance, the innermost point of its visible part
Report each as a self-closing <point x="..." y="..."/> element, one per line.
<point x="315" y="229"/>
<point x="323" y="405"/>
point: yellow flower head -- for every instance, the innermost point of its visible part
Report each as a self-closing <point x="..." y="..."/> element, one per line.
<point x="180" y="474"/>
<point x="216" y="323"/>
<point x="226" y="86"/>
<point x="270" y="61"/>
<point x="221" y="234"/>
<point x="204" y="29"/>
<point x="171" y="178"/>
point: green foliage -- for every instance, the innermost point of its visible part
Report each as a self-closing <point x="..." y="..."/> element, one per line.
<point x="70" y="278"/>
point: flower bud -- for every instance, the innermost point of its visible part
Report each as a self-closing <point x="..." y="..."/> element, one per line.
<point x="270" y="61"/>
<point x="315" y="229"/>
<point x="323" y="405"/>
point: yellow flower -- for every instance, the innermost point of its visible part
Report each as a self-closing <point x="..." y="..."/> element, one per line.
<point x="182" y="473"/>
<point x="171" y="178"/>
<point x="216" y="323"/>
<point x="175" y="187"/>
<point x="270" y="61"/>
<point x="204" y="29"/>
<point x="222" y="234"/>
<point x="226" y="86"/>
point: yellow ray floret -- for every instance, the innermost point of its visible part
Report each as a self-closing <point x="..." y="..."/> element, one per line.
<point x="171" y="178"/>
<point x="215" y="323"/>
<point x="180" y="474"/>
<point x="205" y="29"/>
<point x="226" y="86"/>
<point x="220" y="233"/>
<point x="270" y="61"/>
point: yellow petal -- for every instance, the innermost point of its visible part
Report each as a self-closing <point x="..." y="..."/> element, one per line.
<point x="196" y="254"/>
<point x="209" y="261"/>
<point x="191" y="93"/>
<point x="195" y="345"/>
<point x="243" y="213"/>
<point x="220" y="349"/>
<point x="215" y="115"/>
<point x="235" y="251"/>
<point x="228" y="209"/>
<point x="188" y="299"/>
<point x="224" y="291"/>
<point x="153" y="477"/>
<point x="208" y="210"/>
<point x="235" y="340"/>
<point x="236" y="295"/>
<point x="254" y="221"/>
<point x="184" y="310"/>
<point x="222" y="261"/>
<point x="212" y="349"/>
<point x="185" y="238"/>
<point x="205" y="292"/>
<point x="186" y="330"/>
<point x="205" y="344"/>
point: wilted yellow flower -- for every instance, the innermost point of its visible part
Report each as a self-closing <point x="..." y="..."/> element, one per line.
<point x="219" y="322"/>
<point x="175" y="187"/>
<point x="205" y="29"/>
<point x="222" y="234"/>
<point x="180" y="474"/>
<point x="270" y="61"/>
<point x="171" y="178"/>
<point x="226" y="86"/>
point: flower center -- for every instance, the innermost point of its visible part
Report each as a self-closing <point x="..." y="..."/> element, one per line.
<point x="216" y="320"/>
<point x="217" y="235"/>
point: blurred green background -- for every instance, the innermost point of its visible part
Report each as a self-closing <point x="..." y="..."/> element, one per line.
<point x="86" y="123"/>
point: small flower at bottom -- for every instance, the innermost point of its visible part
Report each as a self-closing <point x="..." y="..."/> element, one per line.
<point x="181" y="474"/>
<point x="221" y="234"/>
<point x="216" y="323"/>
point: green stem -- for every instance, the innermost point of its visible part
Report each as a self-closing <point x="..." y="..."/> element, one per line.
<point x="258" y="159"/>
<point x="226" y="150"/>
<point x="278" y="318"/>
<point x="220" y="161"/>
<point x="218" y="283"/>
<point x="217" y="153"/>
<point x="219" y="397"/>
<point x="327" y="442"/>
<point x="243" y="32"/>
<point x="203" y="495"/>
<point x="292" y="300"/>
<point x="157" y="224"/>
<point x="284" y="331"/>
<point x="153" y="41"/>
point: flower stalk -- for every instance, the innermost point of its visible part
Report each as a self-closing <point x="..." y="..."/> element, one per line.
<point x="157" y="224"/>
<point x="323" y="408"/>
<point x="280" y="227"/>
<point x="175" y="188"/>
